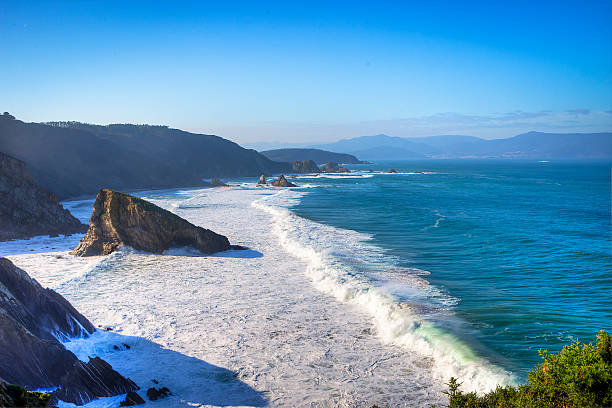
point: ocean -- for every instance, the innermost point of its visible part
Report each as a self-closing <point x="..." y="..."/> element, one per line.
<point x="519" y="250"/>
<point x="357" y="289"/>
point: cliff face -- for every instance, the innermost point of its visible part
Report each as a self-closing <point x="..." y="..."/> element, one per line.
<point x="32" y="319"/>
<point x="26" y="209"/>
<point x="75" y="159"/>
<point x="120" y="219"/>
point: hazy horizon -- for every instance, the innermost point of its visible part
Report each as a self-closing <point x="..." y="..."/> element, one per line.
<point x="317" y="73"/>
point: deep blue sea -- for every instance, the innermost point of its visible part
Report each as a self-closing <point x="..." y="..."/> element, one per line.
<point x="523" y="247"/>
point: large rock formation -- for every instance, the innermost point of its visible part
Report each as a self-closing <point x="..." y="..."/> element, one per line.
<point x="32" y="319"/>
<point x="331" y="167"/>
<point x="305" y="166"/>
<point x="281" y="181"/>
<point x="27" y="210"/>
<point x="120" y="219"/>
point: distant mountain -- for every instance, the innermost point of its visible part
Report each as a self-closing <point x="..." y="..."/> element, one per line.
<point x="75" y="159"/>
<point x="527" y="145"/>
<point x="316" y="155"/>
<point x="363" y="145"/>
<point x="538" y="145"/>
<point x="387" y="153"/>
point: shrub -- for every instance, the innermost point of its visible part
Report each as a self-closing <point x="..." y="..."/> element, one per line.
<point x="579" y="376"/>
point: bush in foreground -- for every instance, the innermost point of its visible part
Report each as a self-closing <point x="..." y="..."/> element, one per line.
<point x="579" y="376"/>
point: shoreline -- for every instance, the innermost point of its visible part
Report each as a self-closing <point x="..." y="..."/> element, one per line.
<point x="257" y="322"/>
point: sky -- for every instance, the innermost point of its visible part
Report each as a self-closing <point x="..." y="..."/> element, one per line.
<point x="301" y="72"/>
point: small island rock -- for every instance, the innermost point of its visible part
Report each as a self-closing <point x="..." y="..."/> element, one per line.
<point x="331" y="167"/>
<point x="391" y="170"/>
<point x="215" y="182"/>
<point x="281" y="181"/>
<point x="120" y="219"/>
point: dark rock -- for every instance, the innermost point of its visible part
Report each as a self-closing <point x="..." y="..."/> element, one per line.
<point x="238" y="247"/>
<point x="120" y="219"/>
<point x="281" y="181"/>
<point x="97" y="378"/>
<point x="262" y="179"/>
<point x="127" y="346"/>
<point x="157" y="393"/>
<point x="391" y="171"/>
<point x="31" y="321"/>
<point x="132" y="399"/>
<point x="215" y="182"/>
<point x="155" y="381"/>
<point x="43" y="312"/>
<point x="331" y="167"/>
<point x="115" y="347"/>
<point x="26" y="209"/>
<point x="305" y="166"/>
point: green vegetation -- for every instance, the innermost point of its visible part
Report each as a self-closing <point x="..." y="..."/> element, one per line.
<point x="579" y="376"/>
<point x="16" y="396"/>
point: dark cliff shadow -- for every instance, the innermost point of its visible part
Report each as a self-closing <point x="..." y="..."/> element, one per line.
<point x="191" y="381"/>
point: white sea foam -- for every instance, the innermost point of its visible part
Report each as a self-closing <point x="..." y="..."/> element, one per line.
<point x="286" y="322"/>
<point x="394" y="323"/>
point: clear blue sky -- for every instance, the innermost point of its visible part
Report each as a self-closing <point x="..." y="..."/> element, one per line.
<point x="311" y="71"/>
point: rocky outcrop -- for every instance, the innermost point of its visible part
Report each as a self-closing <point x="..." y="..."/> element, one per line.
<point x="262" y="179"/>
<point x="120" y="219"/>
<point x="132" y="399"/>
<point x="26" y="209"/>
<point x="305" y="166"/>
<point x="281" y="181"/>
<point x="215" y="182"/>
<point x="391" y="170"/>
<point x="32" y="319"/>
<point x="44" y="312"/>
<point x="331" y="167"/>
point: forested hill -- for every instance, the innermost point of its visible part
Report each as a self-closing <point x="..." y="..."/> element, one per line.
<point x="316" y="155"/>
<point x="74" y="159"/>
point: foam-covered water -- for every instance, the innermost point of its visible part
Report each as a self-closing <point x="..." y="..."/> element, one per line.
<point x="238" y="328"/>
<point x="319" y="314"/>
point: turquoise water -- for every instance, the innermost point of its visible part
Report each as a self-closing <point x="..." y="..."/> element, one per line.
<point x="521" y="247"/>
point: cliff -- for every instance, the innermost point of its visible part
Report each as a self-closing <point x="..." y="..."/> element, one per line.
<point x="75" y="159"/>
<point x="32" y="319"/>
<point x="120" y="219"/>
<point x="26" y="209"/>
<point x="316" y="155"/>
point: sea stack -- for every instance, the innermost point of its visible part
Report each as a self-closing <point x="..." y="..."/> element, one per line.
<point x="332" y="167"/>
<point x="121" y="219"/>
<point x="26" y="209"/>
<point x="281" y="181"/>
<point x="392" y="171"/>
<point x="262" y="179"/>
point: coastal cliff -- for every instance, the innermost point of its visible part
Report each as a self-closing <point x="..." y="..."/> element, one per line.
<point x="120" y="219"/>
<point x="26" y="209"/>
<point x="32" y="319"/>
